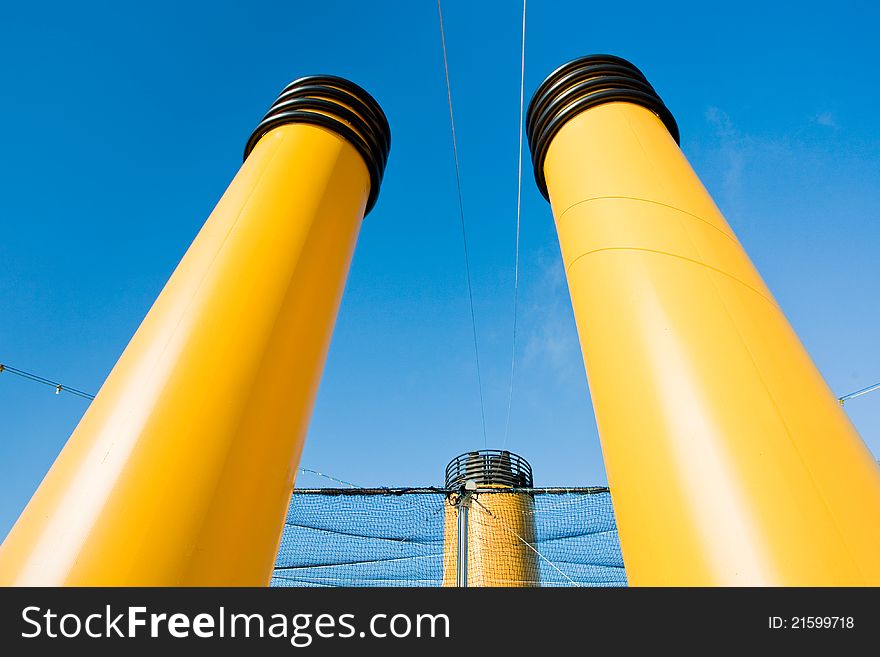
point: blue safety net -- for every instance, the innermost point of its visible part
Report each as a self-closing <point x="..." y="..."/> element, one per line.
<point x="395" y="537"/>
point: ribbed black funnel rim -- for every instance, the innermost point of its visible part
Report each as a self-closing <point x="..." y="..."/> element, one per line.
<point x="579" y="85"/>
<point x="339" y="105"/>
<point x="489" y="467"/>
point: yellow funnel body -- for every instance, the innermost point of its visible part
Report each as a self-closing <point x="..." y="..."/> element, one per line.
<point x="180" y="471"/>
<point x="499" y="526"/>
<point x="729" y="460"/>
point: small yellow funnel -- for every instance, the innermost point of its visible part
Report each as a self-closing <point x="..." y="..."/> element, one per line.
<point x="489" y="526"/>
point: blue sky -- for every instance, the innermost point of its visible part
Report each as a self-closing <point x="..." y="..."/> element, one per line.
<point x="122" y="124"/>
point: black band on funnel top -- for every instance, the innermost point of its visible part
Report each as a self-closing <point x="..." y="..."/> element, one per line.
<point x="576" y="87"/>
<point x="338" y="105"/>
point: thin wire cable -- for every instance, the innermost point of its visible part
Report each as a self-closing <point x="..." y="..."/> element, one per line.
<point x="467" y="265"/>
<point x="858" y="393"/>
<point x="522" y="89"/>
<point x="59" y="388"/>
<point x="321" y="474"/>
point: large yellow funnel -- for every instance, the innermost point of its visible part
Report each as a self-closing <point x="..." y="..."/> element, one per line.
<point x="493" y="546"/>
<point x="729" y="460"/>
<point x="180" y="471"/>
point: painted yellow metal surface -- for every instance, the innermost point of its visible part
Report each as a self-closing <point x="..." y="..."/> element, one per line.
<point x="180" y="471"/>
<point x="499" y="525"/>
<point x="729" y="460"/>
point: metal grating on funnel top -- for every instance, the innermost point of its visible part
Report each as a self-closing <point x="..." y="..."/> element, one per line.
<point x="489" y="467"/>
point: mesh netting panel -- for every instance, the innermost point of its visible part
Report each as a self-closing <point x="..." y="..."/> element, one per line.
<point x="408" y="537"/>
